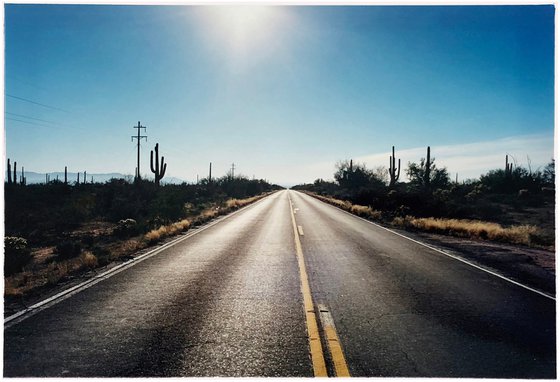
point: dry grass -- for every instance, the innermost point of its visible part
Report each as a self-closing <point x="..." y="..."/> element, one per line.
<point x="363" y="211"/>
<point x="518" y="234"/>
<point x="164" y="231"/>
<point x="366" y="212"/>
<point x="89" y="260"/>
<point x="238" y="203"/>
<point x="521" y="234"/>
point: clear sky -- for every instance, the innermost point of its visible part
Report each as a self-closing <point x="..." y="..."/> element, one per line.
<point x="282" y="91"/>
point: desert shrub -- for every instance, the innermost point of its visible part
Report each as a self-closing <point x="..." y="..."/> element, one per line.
<point x="103" y="255"/>
<point x="365" y="212"/>
<point x="68" y="249"/>
<point x="17" y="254"/>
<point x="126" y="228"/>
<point x="169" y="203"/>
<point x="89" y="260"/>
<point x="156" y="235"/>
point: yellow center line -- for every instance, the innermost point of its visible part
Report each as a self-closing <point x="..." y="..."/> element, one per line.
<point x="333" y="343"/>
<point x="317" y="358"/>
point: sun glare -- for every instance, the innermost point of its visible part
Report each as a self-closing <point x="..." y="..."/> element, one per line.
<point x="243" y="29"/>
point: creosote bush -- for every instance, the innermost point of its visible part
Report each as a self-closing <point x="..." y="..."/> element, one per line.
<point x="126" y="228"/>
<point x="16" y="254"/>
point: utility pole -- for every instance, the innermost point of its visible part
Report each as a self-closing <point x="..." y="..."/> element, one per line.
<point x="232" y="170"/>
<point x="139" y="138"/>
<point x="210" y="174"/>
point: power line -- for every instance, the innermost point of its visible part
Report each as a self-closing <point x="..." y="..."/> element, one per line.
<point x="36" y="103"/>
<point x="29" y="122"/>
<point x="54" y="126"/>
<point x="25" y="116"/>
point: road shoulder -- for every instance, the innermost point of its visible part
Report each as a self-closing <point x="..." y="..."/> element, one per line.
<point x="529" y="266"/>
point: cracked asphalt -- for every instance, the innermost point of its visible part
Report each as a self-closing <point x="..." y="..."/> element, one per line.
<point x="227" y="302"/>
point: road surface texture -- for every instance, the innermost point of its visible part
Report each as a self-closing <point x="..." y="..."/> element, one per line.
<point x="402" y="309"/>
<point x="228" y="301"/>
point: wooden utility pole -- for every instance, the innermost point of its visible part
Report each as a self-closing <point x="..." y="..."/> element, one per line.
<point x="139" y="137"/>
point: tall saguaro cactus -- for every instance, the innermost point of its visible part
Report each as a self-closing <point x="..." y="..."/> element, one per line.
<point x="428" y="168"/>
<point x="15" y="172"/>
<point x="65" y="174"/>
<point x="159" y="171"/>
<point x="9" y="172"/>
<point x="394" y="171"/>
<point x="509" y="167"/>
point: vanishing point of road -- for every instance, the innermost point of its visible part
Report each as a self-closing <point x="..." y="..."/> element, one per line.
<point x="290" y="286"/>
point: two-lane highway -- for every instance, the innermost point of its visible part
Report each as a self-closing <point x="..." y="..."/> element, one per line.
<point x="244" y="296"/>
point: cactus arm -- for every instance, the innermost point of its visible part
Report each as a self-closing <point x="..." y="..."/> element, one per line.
<point x="163" y="168"/>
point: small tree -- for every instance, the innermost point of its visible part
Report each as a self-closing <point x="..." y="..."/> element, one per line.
<point x="549" y="174"/>
<point x="437" y="177"/>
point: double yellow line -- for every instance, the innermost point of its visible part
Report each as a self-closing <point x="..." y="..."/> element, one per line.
<point x="333" y="343"/>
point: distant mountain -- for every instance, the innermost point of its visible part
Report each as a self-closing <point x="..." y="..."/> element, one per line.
<point x="35" y="177"/>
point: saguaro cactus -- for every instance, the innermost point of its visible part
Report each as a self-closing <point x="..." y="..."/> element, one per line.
<point x="15" y="172"/>
<point x="9" y="172"/>
<point x="22" y="180"/>
<point x="159" y="171"/>
<point x="210" y="174"/>
<point x="394" y="171"/>
<point x="428" y="168"/>
<point x="78" y="181"/>
<point x="65" y="175"/>
<point x="509" y="167"/>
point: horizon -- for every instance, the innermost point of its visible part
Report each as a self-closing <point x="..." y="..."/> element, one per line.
<point x="284" y="92"/>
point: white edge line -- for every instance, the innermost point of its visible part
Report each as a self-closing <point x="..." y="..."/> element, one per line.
<point x="442" y="252"/>
<point x="37" y="307"/>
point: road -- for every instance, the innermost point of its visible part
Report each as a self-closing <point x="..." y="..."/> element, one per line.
<point x="231" y="300"/>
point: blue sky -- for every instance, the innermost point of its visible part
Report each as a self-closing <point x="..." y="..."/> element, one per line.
<point x="282" y="91"/>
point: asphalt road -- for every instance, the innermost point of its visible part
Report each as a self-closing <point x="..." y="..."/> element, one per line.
<point x="228" y="302"/>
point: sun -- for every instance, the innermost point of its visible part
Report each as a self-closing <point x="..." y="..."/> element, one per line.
<point x="242" y="29"/>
